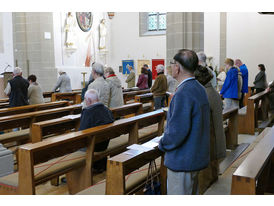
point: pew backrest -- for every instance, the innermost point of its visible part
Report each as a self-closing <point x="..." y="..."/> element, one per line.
<point x="69" y="123"/>
<point x="32" y="108"/>
<point x="75" y="97"/>
<point x="26" y="119"/>
<point x="256" y="167"/>
<point x="33" y="154"/>
<point x="131" y="95"/>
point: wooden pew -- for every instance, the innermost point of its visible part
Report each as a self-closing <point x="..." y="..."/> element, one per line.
<point x="4" y="105"/>
<point x="131" y="89"/>
<point x="32" y="108"/>
<point x="131" y="95"/>
<point x="4" y="100"/>
<point x="249" y="94"/>
<point x="25" y="121"/>
<point x="249" y="115"/>
<point x="123" y="164"/>
<point x="70" y="123"/>
<point x="231" y="131"/>
<point x="77" y="169"/>
<point x="75" y="97"/>
<point x="255" y="175"/>
<point x="146" y="98"/>
<point x="47" y="94"/>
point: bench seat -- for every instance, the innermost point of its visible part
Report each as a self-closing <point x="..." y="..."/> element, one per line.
<point x="14" y="136"/>
<point x="137" y="177"/>
<point x="45" y="171"/>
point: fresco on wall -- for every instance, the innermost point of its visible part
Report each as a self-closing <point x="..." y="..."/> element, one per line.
<point x="84" y="20"/>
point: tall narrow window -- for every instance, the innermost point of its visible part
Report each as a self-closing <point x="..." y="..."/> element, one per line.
<point x="156" y="21"/>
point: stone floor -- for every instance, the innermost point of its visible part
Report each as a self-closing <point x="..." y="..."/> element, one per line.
<point x="223" y="185"/>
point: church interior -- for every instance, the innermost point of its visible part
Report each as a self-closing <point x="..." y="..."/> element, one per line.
<point x="110" y="85"/>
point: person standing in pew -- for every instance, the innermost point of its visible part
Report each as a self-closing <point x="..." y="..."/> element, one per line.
<point x="149" y="74"/>
<point x="159" y="88"/>
<point x="116" y="92"/>
<point x="260" y="79"/>
<point x="63" y="83"/>
<point x="35" y="93"/>
<point x="17" y="89"/>
<point x="142" y="80"/>
<point x="217" y="136"/>
<point x="244" y="72"/>
<point x="186" y="139"/>
<point x="171" y="82"/>
<point x="100" y="84"/>
<point x="229" y="90"/>
<point x="131" y="78"/>
<point x="96" y="114"/>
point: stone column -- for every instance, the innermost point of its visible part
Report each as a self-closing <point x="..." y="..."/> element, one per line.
<point x="223" y="21"/>
<point x="185" y="30"/>
<point x="32" y="51"/>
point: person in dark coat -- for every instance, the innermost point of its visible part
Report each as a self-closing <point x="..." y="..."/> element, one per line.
<point x="149" y="74"/>
<point x="260" y="79"/>
<point x="217" y="136"/>
<point x="96" y="114"/>
<point x="186" y="140"/>
<point x="17" y="89"/>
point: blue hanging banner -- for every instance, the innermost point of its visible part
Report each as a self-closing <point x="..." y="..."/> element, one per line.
<point x="126" y="64"/>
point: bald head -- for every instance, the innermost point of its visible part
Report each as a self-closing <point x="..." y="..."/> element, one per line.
<point x="238" y="62"/>
<point x="91" y="97"/>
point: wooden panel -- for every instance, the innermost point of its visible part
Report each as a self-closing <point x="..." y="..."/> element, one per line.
<point x="253" y="167"/>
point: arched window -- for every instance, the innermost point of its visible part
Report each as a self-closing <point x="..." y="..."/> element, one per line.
<point x="152" y="23"/>
<point x="156" y="21"/>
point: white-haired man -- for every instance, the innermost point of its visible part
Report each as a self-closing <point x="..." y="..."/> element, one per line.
<point x="17" y="89"/>
<point x="63" y="82"/>
<point x="159" y="88"/>
<point x="96" y="114"/>
<point x="100" y="84"/>
<point x="202" y="61"/>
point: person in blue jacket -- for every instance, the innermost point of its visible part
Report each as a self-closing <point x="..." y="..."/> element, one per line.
<point x="244" y="72"/>
<point x="186" y="139"/>
<point x="230" y="88"/>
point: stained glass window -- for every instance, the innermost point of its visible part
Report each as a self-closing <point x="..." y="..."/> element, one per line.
<point x="156" y="21"/>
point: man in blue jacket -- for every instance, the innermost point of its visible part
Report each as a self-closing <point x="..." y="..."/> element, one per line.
<point x="244" y="72"/>
<point x="230" y="88"/>
<point x="186" y="138"/>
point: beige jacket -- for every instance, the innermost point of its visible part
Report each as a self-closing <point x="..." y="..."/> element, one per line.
<point x="116" y="92"/>
<point x="103" y="88"/>
<point x="130" y="80"/>
<point x="35" y="94"/>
